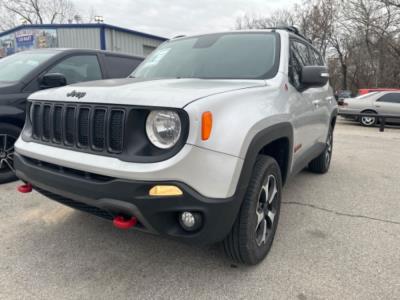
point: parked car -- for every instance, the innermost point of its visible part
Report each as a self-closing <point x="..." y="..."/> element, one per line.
<point x="341" y="95"/>
<point x="197" y="146"/>
<point x="366" y="91"/>
<point x="386" y="103"/>
<point x="26" y="72"/>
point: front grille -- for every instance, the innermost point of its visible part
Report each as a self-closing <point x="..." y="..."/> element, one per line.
<point x="57" y="115"/>
<point x="100" y="128"/>
<point x="46" y="122"/>
<point x="83" y="127"/>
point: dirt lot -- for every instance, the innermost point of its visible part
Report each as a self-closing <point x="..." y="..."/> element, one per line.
<point x="338" y="237"/>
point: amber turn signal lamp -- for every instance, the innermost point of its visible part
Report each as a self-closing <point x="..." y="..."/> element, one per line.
<point x="165" y="190"/>
<point x="206" y="125"/>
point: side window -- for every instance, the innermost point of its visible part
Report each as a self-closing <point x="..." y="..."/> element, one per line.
<point x="303" y="53"/>
<point x="390" y="98"/>
<point x="317" y="58"/>
<point x="295" y="65"/>
<point x="120" y="66"/>
<point x="78" y="68"/>
<point x="147" y="50"/>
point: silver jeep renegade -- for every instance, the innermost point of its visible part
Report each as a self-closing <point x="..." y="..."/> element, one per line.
<point x="195" y="145"/>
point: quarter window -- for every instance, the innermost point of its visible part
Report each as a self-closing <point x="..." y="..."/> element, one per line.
<point x="390" y="98"/>
<point x="79" y="68"/>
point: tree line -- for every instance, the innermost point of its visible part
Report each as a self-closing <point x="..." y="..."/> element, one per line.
<point x="360" y="39"/>
<point x="16" y="12"/>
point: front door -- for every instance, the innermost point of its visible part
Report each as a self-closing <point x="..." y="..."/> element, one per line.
<point x="309" y="106"/>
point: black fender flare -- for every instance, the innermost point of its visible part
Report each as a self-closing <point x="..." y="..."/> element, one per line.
<point x="260" y="140"/>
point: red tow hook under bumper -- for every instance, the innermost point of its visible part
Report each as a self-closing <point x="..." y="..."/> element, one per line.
<point x="25" y="188"/>
<point x="123" y="223"/>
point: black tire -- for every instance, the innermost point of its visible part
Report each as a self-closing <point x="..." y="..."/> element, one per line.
<point x="321" y="164"/>
<point x="245" y="243"/>
<point x="8" y="135"/>
<point x="368" y="121"/>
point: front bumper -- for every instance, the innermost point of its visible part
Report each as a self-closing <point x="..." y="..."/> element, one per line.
<point x="212" y="174"/>
<point x="109" y="197"/>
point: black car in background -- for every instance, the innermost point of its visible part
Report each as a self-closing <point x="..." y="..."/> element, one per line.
<point x="26" y="72"/>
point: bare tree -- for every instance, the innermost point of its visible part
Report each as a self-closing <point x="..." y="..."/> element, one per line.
<point x="38" y="11"/>
<point x="278" y="18"/>
<point x="7" y="21"/>
<point x="395" y="3"/>
<point x="359" y="38"/>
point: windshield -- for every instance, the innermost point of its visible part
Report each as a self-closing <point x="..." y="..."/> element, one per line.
<point x="214" y="56"/>
<point x="16" y="66"/>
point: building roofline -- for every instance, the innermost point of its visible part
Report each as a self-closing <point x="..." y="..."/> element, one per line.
<point x="86" y="25"/>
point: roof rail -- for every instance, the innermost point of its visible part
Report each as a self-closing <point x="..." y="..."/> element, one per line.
<point x="292" y="29"/>
<point x="179" y="36"/>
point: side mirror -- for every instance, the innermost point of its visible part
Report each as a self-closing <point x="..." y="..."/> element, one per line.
<point x="314" y="76"/>
<point x="52" y="80"/>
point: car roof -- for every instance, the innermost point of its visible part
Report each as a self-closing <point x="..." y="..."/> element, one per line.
<point x="376" y="95"/>
<point x="387" y="92"/>
<point x="281" y="31"/>
<point x="223" y="32"/>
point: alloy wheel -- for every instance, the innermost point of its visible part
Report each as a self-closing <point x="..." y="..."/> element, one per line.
<point x="368" y="121"/>
<point x="7" y="152"/>
<point x="266" y="209"/>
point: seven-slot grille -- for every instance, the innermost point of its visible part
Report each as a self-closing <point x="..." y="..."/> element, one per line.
<point x="94" y="127"/>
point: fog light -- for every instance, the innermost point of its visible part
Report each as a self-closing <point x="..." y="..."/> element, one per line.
<point x="190" y="221"/>
<point x="165" y="190"/>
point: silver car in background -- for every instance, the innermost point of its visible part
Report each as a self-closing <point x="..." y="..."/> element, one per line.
<point x="385" y="103"/>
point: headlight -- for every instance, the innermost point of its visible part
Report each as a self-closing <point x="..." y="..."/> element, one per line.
<point x="163" y="128"/>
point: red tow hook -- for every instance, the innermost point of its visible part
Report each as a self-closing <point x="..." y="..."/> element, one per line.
<point x="25" y="188"/>
<point x="123" y="223"/>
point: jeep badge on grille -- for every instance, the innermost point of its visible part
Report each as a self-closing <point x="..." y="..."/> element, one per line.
<point x="76" y="94"/>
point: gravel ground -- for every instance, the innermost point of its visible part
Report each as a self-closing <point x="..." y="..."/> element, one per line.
<point x="338" y="238"/>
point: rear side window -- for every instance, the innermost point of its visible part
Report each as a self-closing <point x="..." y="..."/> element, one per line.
<point x="391" y="98"/>
<point x="299" y="57"/>
<point x="316" y="57"/>
<point x="303" y="54"/>
<point x="147" y="50"/>
<point x="79" y="68"/>
<point x="120" y="66"/>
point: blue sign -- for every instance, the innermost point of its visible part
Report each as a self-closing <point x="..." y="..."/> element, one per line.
<point x="25" y="41"/>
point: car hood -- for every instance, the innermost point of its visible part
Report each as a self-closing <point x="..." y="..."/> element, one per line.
<point x="9" y="88"/>
<point x="166" y="92"/>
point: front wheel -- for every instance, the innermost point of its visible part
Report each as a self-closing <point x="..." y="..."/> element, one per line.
<point x="253" y="232"/>
<point x="8" y="136"/>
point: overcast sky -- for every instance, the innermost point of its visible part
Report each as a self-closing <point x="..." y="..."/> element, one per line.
<point x="172" y="17"/>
